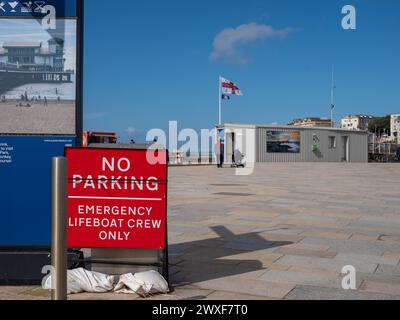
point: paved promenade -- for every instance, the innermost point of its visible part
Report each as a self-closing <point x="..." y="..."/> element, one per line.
<point x="284" y="232"/>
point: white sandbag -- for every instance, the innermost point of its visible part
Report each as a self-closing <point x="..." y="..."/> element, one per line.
<point x="142" y="283"/>
<point x="129" y="284"/>
<point x="81" y="280"/>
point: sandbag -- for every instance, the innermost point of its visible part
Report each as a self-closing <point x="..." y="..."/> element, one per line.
<point x="81" y="280"/>
<point x="142" y="283"/>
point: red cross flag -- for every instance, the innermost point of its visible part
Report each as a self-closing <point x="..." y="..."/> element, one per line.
<point x="228" y="87"/>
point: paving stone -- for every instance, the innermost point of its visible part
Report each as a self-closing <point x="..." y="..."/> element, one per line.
<point x="327" y="264"/>
<point x="322" y="272"/>
<point x="197" y="271"/>
<point x="281" y="237"/>
<point x="321" y="293"/>
<point x="326" y="234"/>
<point x="241" y="223"/>
<point x="377" y="277"/>
<point x="311" y="247"/>
<point x="186" y="293"/>
<point x="391" y="288"/>
<point x="249" y="246"/>
<point x="210" y="254"/>
<point x="265" y="255"/>
<point x="179" y="248"/>
<point x="351" y="259"/>
<point x="305" y="252"/>
<point x="389" y="238"/>
<point x="355" y="246"/>
<point x="381" y="228"/>
<point x="250" y="274"/>
<point x="299" y="222"/>
<point x="23" y="293"/>
<point x="253" y="212"/>
<point x="302" y="278"/>
<point x="364" y="237"/>
<point x="388" y="270"/>
<point x="285" y="231"/>
<point x="391" y="254"/>
<point x="248" y="286"/>
<point x="277" y="266"/>
<point x="225" y="295"/>
<point x="104" y="296"/>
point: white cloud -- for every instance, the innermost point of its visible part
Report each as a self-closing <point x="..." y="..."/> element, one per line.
<point x="130" y="130"/>
<point x="227" y="42"/>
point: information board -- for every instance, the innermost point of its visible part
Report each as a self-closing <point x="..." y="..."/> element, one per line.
<point x="116" y="199"/>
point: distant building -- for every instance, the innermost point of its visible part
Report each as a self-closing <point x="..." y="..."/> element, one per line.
<point x="395" y="127"/>
<point x="296" y="122"/>
<point x="274" y="143"/>
<point x="356" y="122"/>
<point x="33" y="56"/>
<point x="312" y="122"/>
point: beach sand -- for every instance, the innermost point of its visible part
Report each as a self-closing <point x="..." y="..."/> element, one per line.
<point x="58" y="117"/>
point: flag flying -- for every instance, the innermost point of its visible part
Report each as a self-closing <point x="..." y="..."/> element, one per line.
<point x="228" y="87"/>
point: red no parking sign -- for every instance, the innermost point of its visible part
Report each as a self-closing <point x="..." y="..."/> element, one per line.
<point x="116" y="198"/>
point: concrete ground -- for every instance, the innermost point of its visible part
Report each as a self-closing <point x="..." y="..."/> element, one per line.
<point x="284" y="232"/>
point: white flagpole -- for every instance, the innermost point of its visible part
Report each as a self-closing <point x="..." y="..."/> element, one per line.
<point x="333" y="94"/>
<point x="220" y="101"/>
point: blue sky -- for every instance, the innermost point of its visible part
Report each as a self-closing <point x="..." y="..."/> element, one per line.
<point x="148" y="62"/>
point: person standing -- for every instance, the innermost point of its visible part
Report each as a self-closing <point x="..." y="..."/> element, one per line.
<point x="222" y="154"/>
<point x="219" y="152"/>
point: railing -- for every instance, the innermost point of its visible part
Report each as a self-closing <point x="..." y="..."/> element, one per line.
<point x="382" y="148"/>
<point x="383" y="152"/>
<point x="177" y="158"/>
<point x="29" y="68"/>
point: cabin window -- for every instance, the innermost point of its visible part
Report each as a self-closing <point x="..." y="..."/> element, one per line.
<point x="332" y="142"/>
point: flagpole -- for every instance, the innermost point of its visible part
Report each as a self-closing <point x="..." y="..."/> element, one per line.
<point x="219" y="101"/>
<point x="332" y="94"/>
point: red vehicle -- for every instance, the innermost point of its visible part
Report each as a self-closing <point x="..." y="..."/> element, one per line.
<point x="90" y="137"/>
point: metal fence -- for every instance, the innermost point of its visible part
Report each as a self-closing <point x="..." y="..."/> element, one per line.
<point x="177" y="158"/>
<point x="383" y="152"/>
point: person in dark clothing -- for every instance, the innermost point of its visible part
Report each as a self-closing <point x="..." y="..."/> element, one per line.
<point x="222" y="155"/>
<point x="219" y="152"/>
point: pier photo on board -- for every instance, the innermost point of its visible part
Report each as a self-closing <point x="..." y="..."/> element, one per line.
<point x="37" y="77"/>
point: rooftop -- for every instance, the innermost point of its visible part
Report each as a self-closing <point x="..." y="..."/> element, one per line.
<point x="316" y="119"/>
<point x="358" y="116"/>
<point x="22" y="45"/>
<point x="272" y="126"/>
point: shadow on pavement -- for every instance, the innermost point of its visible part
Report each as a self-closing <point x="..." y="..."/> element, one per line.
<point x="204" y="260"/>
